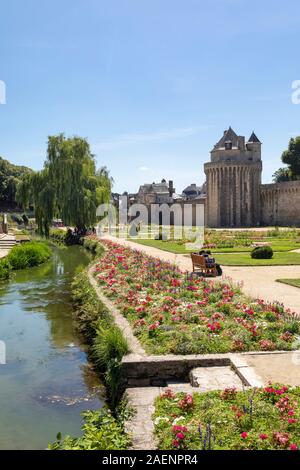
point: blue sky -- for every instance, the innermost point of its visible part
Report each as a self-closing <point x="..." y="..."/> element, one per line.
<point x="152" y="84"/>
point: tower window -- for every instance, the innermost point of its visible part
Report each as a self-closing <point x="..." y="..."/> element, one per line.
<point x="228" y="145"/>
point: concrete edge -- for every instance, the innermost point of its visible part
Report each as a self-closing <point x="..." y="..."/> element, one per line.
<point x="119" y="319"/>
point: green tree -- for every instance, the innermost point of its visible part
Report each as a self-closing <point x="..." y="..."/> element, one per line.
<point x="291" y="157"/>
<point x="69" y="186"/>
<point x="283" y="174"/>
<point x="10" y="176"/>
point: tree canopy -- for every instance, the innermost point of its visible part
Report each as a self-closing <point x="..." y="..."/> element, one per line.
<point x="10" y="176"/>
<point x="291" y="157"/>
<point x="68" y="187"/>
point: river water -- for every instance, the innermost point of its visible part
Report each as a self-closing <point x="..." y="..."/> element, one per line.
<point x="46" y="382"/>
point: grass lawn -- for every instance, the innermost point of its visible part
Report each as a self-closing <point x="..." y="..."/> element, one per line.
<point x="290" y="282"/>
<point x="244" y="259"/>
<point x="174" y="247"/>
<point x="171" y="246"/>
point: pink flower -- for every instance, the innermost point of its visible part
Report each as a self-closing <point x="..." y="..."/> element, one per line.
<point x="244" y="435"/>
<point x="175" y="443"/>
<point x="263" y="436"/>
<point x="180" y="436"/>
<point x="293" y="447"/>
<point x="281" y="438"/>
<point x="186" y="402"/>
<point x="178" y="428"/>
<point x="168" y="393"/>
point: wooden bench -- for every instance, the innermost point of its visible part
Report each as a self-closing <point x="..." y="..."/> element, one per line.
<point x="200" y="264"/>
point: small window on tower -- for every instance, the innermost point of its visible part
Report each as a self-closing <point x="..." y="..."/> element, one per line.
<point x="228" y="145"/>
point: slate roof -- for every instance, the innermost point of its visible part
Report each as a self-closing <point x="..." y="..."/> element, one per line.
<point x="229" y="136"/>
<point x="253" y="138"/>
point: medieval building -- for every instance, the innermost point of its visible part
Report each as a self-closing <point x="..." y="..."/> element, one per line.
<point x="235" y="196"/>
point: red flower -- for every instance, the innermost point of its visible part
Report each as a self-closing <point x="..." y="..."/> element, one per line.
<point x="244" y="435"/>
<point x="180" y="436"/>
<point x="175" y="443"/>
<point x="187" y="402"/>
<point x="178" y="428"/>
<point x="293" y="447"/>
<point x="263" y="436"/>
<point x="168" y="393"/>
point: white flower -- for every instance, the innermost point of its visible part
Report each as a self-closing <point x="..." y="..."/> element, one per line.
<point x="160" y="418"/>
<point x="177" y="420"/>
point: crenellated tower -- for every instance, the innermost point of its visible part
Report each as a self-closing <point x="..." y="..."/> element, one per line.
<point x="233" y="178"/>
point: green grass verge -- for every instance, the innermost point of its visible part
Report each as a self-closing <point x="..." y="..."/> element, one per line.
<point x="244" y="259"/>
<point x="290" y="282"/>
<point x="175" y="247"/>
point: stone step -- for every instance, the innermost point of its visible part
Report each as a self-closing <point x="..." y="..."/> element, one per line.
<point x="215" y="378"/>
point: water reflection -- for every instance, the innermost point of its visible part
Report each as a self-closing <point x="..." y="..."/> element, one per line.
<point x="47" y="373"/>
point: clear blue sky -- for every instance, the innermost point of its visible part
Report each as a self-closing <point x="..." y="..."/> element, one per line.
<point x="151" y="83"/>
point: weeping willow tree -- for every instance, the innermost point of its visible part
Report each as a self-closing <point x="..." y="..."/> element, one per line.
<point x="69" y="186"/>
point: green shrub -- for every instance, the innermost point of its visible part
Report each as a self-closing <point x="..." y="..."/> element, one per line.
<point x="93" y="246"/>
<point x="95" y="323"/>
<point x="108" y="349"/>
<point x="101" y="431"/>
<point x="89" y="311"/>
<point x="5" y="268"/>
<point x="262" y="252"/>
<point x="109" y="344"/>
<point x="28" y="255"/>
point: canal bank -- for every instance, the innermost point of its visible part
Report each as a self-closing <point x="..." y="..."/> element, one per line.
<point x="47" y="381"/>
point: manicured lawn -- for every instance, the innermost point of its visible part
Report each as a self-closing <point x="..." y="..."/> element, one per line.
<point x="176" y="247"/>
<point x="244" y="259"/>
<point x="173" y="312"/>
<point x="290" y="282"/>
<point x="171" y="246"/>
<point x="255" y="419"/>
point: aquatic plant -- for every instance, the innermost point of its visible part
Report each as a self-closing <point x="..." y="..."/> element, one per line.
<point x="28" y="254"/>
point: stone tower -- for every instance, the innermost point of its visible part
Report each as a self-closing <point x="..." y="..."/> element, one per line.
<point x="233" y="179"/>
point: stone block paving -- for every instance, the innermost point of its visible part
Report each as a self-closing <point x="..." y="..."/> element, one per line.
<point x="141" y="399"/>
<point x="215" y="378"/>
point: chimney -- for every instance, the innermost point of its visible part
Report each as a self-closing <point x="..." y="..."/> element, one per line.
<point x="171" y="188"/>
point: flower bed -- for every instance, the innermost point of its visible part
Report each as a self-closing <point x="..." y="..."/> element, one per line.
<point x="266" y="418"/>
<point x="174" y="312"/>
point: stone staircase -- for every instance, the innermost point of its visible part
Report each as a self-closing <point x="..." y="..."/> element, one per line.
<point x="7" y="241"/>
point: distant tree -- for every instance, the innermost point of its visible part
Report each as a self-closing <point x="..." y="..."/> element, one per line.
<point x="10" y="176"/>
<point x="291" y="157"/>
<point x="283" y="174"/>
<point x="69" y="186"/>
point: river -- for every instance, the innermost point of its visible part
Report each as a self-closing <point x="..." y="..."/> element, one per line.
<point x="46" y="382"/>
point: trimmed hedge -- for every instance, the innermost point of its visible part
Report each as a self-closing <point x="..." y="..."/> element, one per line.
<point x="262" y="252"/>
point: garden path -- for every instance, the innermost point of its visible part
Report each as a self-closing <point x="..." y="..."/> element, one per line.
<point x="257" y="281"/>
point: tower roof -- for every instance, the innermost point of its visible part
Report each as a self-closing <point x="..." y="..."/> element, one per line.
<point x="253" y="138"/>
<point x="229" y="136"/>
